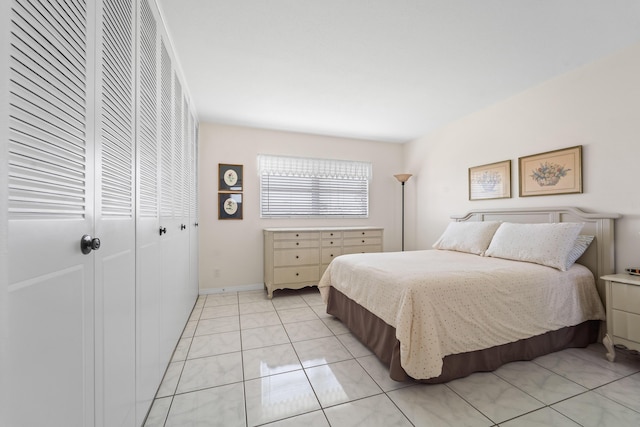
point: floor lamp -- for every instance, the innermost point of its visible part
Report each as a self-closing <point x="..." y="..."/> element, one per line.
<point x="403" y="177"/>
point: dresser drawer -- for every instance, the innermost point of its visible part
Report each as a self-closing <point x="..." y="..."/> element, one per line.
<point x="332" y="234"/>
<point x="293" y="244"/>
<point x="328" y="254"/>
<point x="295" y="257"/>
<point x="626" y="325"/>
<point x="296" y="235"/>
<point x="362" y="249"/>
<point x="331" y="243"/>
<point x="625" y="297"/>
<point x="362" y="233"/>
<point x="310" y="273"/>
<point x="363" y="241"/>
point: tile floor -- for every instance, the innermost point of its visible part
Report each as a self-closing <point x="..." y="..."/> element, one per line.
<point x="245" y="360"/>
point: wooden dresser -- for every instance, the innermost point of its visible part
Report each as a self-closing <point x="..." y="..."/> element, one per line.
<point x="297" y="257"/>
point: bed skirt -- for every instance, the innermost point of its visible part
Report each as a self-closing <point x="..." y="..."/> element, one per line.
<point x="381" y="339"/>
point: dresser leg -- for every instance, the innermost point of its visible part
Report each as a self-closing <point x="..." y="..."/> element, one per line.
<point x="611" y="351"/>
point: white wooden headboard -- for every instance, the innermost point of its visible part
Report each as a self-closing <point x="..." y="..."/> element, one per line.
<point x="599" y="258"/>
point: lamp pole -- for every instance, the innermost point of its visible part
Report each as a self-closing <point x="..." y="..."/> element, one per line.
<point x="403" y="177"/>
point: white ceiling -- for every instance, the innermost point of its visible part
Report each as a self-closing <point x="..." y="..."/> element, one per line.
<point x="388" y="70"/>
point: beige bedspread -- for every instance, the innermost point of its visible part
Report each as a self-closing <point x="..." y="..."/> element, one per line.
<point x="444" y="302"/>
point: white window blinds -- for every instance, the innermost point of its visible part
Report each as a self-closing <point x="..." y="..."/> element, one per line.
<point x="306" y="187"/>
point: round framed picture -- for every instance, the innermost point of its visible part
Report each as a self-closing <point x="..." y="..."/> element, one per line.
<point x="229" y="206"/>
<point x="229" y="177"/>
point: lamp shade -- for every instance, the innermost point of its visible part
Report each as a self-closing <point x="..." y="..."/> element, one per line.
<point x="403" y="177"/>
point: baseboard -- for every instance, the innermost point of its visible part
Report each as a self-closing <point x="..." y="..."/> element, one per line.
<point x="239" y="288"/>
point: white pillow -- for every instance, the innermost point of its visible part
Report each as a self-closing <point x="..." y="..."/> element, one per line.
<point x="580" y="246"/>
<point x="471" y="237"/>
<point x="546" y="244"/>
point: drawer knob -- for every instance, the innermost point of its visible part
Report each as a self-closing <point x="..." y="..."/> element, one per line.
<point x="363" y="241"/>
<point x="297" y="235"/>
<point x="297" y="274"/>
<point x="363" y="233"/>
<point x="331" y="234"/>
<point x="331" y="255"/>
<point x="297" y="257"/>
<point x="331" y="243"/>
<point x="297" y="243"/>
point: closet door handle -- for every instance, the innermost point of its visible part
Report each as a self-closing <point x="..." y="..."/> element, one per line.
<point x="163" y="230"/>
<point x="88" y="244"/>
<point x="183" y="227"/>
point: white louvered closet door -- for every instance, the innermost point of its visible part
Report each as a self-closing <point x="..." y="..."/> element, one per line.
<point x="169" y="223"/>
<point x="193" y="204"/>
<point x="115" y="284"/>
<point x="149" y="369"/>
<point x="51" y="206"/>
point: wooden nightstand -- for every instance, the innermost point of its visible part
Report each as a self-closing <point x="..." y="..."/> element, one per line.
<point x="623" y="312"/>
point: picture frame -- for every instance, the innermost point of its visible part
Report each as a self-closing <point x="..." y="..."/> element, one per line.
<point x="230" y="177"/>
<point x="551" y="173"/>
<point x="230" y="206"/>
<point x="490" y="181"/>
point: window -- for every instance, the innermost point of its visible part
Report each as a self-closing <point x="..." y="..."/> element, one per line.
<point x="304" y="187"/>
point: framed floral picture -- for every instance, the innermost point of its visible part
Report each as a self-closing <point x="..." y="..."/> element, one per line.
<point x="229" y="205"/>
<point x="553" y="172"/>
<point x="229" y="177"/>
<point x="492" y="181"/>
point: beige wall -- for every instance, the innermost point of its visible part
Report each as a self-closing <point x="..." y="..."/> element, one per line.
<point x="596" y="106"/>
<point x="231" y="250"/>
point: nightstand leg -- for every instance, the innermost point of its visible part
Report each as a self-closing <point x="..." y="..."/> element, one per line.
<point x="611" y="351"/>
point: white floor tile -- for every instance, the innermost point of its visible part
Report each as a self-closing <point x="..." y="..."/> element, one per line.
<point x="210" y="371"/>
<point x="252" y="296"/>
<point x="182" y="350"/>
<point x="380" y="374"/>
<point x="297" y="314"/>
<point x="621" y="366"/>
<point x="625" y="391"/>
<point x="312" y="419"/>
<point x="279" y="396"/>
<point x="375" y="411"/>
<point x="215" y="326"/>
<point x="289" y="302"/>
<point x="170" y="380"/>
<point x="436" y="405"/>
<point x="539" y="382"/>
<point x="544" y="417"/>
<point x="321" y="351"/>
<point x="591" y="410"/>
<point x="219" y="406"/>
<point x="219" y="311"/>
<point x="336" y="326"/>
<point x="256" y="307"/>
<point x="321" y="311"/>
<point x="354" y="346"/>
<point x="210" y="345"/>
<point x="189" y="329"/>
<point x="494" y="397"/>
<point x="307" y="330"/>
<point x="158" y="413"/>
<point x="341" y="382"/>
<point x="263" y="337"/>
<point x="264" y="361"/>
<point x="257" y="320"/>
<point x="579" y="370"/>
<point x="215" y="300"/>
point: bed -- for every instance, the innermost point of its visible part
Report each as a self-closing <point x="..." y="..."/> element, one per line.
<point x="470" y="306"/>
